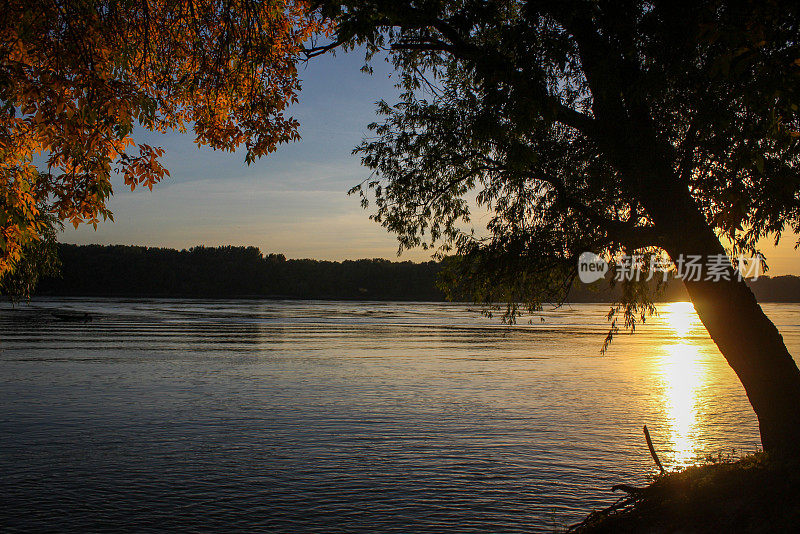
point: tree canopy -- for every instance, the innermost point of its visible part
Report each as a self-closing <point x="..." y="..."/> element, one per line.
<point x="606" y="126"/>
<point x="576" y="124"/>
<point x="78" y="76"/>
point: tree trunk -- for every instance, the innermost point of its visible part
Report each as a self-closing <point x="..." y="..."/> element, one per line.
<point x="755" y="350"/>
<point x="746" y="337"/>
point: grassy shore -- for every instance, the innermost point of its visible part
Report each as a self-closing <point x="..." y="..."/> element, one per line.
<point x="752" y="494"/>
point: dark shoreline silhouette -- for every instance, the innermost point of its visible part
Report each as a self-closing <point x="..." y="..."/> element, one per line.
<point x="244" y="272"/>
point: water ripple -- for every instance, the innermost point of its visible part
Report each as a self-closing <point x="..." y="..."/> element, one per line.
<point x="243" y="416"/>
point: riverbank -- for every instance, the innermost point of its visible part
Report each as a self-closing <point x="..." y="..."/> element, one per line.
<point x="124" y="271"/>
<point x="751" y="494"/>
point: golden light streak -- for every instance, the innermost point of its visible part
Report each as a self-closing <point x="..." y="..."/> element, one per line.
<point x="683" y="373"/>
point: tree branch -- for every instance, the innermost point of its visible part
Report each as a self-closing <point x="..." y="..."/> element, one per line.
<point x="315" y="51"/>
<point x="491" y="62"/>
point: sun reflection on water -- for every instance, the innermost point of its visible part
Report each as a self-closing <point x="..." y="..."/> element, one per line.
<point x="680" y="317"/>
<point x="683" y="373"/>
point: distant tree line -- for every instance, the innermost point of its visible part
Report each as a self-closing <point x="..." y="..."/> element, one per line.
<point x="233" y="272"/>
<point x="244" y="272"/>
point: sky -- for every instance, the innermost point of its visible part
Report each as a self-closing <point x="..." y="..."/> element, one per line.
<point x="293" y="201"/>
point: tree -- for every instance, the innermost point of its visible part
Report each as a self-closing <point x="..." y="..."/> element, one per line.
<point x="38" y="259"/>
<point x="604" y="126"/>
<point x="76" y="77"/>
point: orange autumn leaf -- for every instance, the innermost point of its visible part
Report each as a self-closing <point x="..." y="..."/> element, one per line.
<point x="83" y="73"/>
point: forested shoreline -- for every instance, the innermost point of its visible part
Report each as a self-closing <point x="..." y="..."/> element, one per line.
<point x="233" y="272"/>
<point x="244" y="272"/>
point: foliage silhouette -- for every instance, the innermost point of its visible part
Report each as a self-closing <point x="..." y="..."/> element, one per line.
<point x="610" y="127"/>
<point x="244" y="272"/>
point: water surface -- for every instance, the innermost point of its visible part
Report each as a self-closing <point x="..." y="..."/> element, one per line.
<point x="286" y="416"/>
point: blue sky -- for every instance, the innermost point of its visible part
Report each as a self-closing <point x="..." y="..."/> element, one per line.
<point x="293" y="201"/>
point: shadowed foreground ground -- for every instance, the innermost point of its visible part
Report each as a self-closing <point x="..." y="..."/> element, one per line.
<point x="749" y="495"/>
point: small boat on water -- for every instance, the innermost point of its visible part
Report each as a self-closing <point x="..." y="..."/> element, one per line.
<point x="74" y="317"/>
